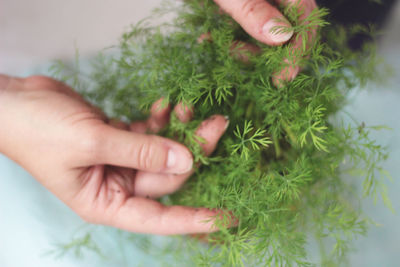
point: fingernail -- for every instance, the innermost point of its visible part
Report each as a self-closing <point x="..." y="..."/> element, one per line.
<point x="179" y="161"/>
<point x="273" y="30"/>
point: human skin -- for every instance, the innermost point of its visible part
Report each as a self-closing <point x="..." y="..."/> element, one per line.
<point x="258" y="18"/>
<point x="105" y="170"/>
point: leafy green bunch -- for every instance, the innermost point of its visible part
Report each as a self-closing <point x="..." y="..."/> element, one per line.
<point x="284" y="165"/>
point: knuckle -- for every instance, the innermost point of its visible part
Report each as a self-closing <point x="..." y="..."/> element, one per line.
<point x="92" y="142"/>
<point x="145" y="153"/>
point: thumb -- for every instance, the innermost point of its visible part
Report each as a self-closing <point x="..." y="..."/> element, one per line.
<point x="141" y="151"/>
<point x="259" y="19"/>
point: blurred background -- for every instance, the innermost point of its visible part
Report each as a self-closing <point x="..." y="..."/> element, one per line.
<point x="32" y="221"/>
<point x="35" y="32"/>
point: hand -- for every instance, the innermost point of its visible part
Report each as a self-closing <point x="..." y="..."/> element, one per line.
<point x="258" y="18"/>
<point x="103" y="170"/>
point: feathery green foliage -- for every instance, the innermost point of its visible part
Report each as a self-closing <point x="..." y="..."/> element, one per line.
<point x="281" y="164"/>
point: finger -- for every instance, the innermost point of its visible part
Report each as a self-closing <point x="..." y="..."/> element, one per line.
<point x="159" y="115"/>
<point x="184" y="112"/>
<point x="211" y="131"/>
<point x="286" y="74"/>
<point x="138" y="127"/>
<point x="157" y="185"/>
<point x="238" y="49"/>
<point x="242" y="50"/>
<point x="291" y="68"/>
<point x="142" y="215"/>
<point x="139" y="151"/>
<point x="118" y="124"/>
<point x="305" y="6"/>
<point x="259" y="19"/>
<point x="204" y="37"/>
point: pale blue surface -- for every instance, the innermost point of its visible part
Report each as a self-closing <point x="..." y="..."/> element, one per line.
<point x="381" y="246"/>
<point x="32" y="219"/>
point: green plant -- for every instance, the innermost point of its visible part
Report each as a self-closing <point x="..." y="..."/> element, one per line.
<point x="281" y="165"/>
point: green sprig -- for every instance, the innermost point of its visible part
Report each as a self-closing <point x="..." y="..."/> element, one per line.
<point x="281" y="194"/>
